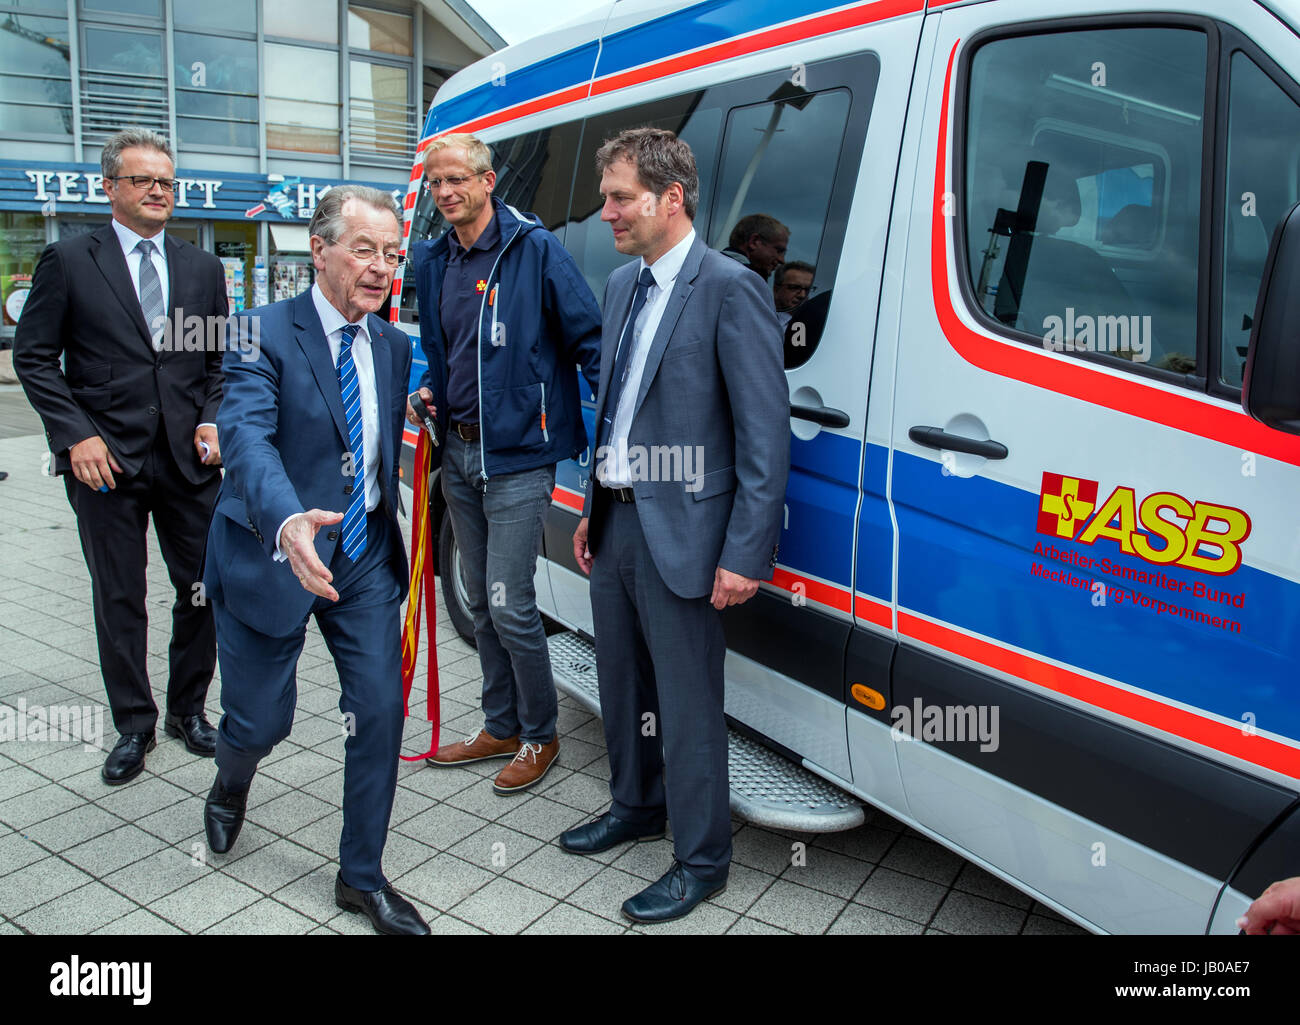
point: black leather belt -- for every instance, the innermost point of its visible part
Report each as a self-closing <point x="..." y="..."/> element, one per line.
<point x="466" y="432"/>
<point x="624" y="495"/>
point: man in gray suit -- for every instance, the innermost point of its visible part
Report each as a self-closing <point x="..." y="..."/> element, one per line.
<point x="682" y="515"/>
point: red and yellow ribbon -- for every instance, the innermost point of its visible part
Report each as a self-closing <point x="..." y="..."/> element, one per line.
<point x="422" y="591"/>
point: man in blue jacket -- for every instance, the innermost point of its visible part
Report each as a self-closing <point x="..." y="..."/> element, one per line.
<point x="505" y="316"/>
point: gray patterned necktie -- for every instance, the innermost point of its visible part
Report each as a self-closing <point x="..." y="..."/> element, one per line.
<point x="151" y="295"/>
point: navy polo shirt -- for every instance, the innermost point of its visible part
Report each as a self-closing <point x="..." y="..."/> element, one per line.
<point x="462" y="298"/>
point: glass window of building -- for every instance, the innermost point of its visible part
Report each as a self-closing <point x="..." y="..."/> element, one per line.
<point x="123" y="81"/>
<point x="316" y="21"/>
<point x="380" y="114"/>
<point x="137" y="8"/>
<point x="216" y="90"/>
<point x="22" y="237"/>
<point x="302" y="99"/>
<point x="35" y="73"/>
<point x="236" y="248"/>
<point x="227" y="16"/>
<point x="380" y="31"/>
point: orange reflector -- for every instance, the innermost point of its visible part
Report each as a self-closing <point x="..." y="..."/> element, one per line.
<point x="867" y="696"/>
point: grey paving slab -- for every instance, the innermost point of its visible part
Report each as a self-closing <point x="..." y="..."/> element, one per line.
<point x="301" y="767"/>
<point x="744" y="886"/>
<point x="603" y="894"/>
<point x="583" y="792"/>
<point x="138" y="923"/>
<point x="553" y="871"/>
<point x="288" y="812"/>
<point x="541" y="817"/>
<point x="762" y="849"/>
<point x="142" y="796"/>
<point x="74" y="826"/>
<point x="18" y="851"/>
<point x="274" y="866"/>
<point x="441" y="826"/>
<point x="566" y="920"/>
<point x="829" y="872"/>
<point x="504" y="906"/>
<point x="495" y="848"/>
<point x="919" y="856"/>
<point x="148" y="880"/>
<point x="480" y="799"/>
<point x="798" y="909"/>
<point x="115" y="849"/>
<point x="39" y="883"/>
<point x="743" y="926"/>
<point x="263" y="918"/>
<point x="1037" y="925"/>
<point x="449" y="925"/>
<point x="858" y="920"/>
<point x="17" y="780"/>
<point x="443" y="882"/>
<point x="646" y="859"/>
<point x="899" y="894"/>
<point x="973" y="879"/>
<point x="37" y="804"/>
<point x="204" y="902"/>
<point x="313" y="894"/>
<point x="76" y="913"/>
<point x="965" y="913"/>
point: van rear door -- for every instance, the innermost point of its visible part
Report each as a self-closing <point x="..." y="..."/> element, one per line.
<point x="1098" y="585"/>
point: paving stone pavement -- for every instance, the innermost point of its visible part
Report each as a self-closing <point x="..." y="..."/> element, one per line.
<point x="78" y="857"/>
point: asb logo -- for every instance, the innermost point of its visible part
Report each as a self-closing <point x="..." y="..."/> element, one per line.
<point x="1164" y="528"/>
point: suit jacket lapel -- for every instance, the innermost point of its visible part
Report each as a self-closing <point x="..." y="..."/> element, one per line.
<point x="682" y="289"/>
<point x="111" y="261"/>
<point x="177" y="272"/>
<point x="311" y="338"/>
<point x="381" y="356"/>
<point x="620" y="298"/>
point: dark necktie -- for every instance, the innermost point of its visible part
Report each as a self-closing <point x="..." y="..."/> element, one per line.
<point x="626" y="343"/>
<point x="354" y="520"/>
<point x="151" y="297"/>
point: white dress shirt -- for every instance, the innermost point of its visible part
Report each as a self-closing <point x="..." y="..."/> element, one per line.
<point x="130" y="240"/>
<point x="333" y="322"/>
<point x="640" y="336"/>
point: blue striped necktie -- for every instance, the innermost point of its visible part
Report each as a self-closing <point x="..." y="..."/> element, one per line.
<point x="354" y="520"/>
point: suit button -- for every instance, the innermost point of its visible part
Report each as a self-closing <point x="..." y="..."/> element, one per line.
<point x="153" y="410"/>
<point x="347" y="489"/>
<point x="333" y="535"/>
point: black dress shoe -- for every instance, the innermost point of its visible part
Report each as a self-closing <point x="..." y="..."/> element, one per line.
<point x="389" y="912"/>
<point x="606" y="832"/>
<point x="126" y="760"/>
<point x="200" y="736"/>
<point x="675" y="894"/>
<point x="223" y="815"/>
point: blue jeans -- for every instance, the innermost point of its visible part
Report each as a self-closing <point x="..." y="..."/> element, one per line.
<point x="499" y="533"/>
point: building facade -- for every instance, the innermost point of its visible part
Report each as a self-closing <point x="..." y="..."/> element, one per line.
<point x="267" y="103"/>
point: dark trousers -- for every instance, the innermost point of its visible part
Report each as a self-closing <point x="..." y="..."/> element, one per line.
<point x="112" y="528"/>
<point x="660" y="664"/>
<point x="259" y="693"/>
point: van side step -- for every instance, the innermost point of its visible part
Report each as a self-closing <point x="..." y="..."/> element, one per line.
<point x="767" y="789"/>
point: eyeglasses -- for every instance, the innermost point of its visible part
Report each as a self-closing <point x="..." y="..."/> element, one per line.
<point x="143" y="182"/>
<point x="455" y="181"/>
<point x="368" y="255"/>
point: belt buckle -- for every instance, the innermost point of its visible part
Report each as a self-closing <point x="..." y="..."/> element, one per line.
<point x="460" y="430"/>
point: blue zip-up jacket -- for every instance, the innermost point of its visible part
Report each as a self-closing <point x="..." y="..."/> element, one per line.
<point x="538" y="321"/>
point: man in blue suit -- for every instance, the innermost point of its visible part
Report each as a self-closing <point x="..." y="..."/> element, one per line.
<point x="306" y="525"/>
<point x="691" y="382"/>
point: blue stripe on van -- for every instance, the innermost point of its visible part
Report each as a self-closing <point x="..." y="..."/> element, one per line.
<point x="966" y="550"/>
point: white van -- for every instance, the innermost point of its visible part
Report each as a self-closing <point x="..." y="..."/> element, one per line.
<point x="1039" y="589"/>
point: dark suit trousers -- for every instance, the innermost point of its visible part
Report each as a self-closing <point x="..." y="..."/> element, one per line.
<point x="259" y="693"/>
<point x="112" y="527"/>
<point x="662" y="656"/>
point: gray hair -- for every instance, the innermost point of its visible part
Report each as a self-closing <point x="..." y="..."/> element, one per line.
<point x="327" y="221"/>
<point x="110" y="158"/>
<point x="660" y="158"/>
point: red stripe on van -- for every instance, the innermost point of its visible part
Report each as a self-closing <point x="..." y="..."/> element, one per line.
<point x="814" y="590"/>
<point x="873" y="611"/>
<point x="1231" y="740"/>
<point x="1122" y="393"/>
<point x="565" y="497"/>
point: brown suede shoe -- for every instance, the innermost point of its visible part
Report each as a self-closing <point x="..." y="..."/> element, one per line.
<point x="480" y="746"/>
<point x="529" y="767"/>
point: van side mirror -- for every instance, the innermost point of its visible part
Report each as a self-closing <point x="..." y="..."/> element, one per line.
<point x="1270" y="390"/>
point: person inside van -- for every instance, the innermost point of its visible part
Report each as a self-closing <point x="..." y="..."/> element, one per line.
<point x="791" y="286"/>
<point x="759" y="242"/>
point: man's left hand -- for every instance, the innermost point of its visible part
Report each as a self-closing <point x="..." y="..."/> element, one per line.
<point x="731" y="589"/>
<point x="208" y="436"/>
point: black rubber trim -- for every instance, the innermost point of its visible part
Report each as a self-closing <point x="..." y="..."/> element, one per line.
<point x="557" y="537"/>
<point x="804" y="643"/>
<point x="1198" y="812"/>
<point x="937" y="437"/>
<point x="1276" y="856"/>
<point x="870" y="662"/>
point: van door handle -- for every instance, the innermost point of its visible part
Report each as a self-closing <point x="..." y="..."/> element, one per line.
<point x="937" y="437"/>
<point x="823" y="415"/>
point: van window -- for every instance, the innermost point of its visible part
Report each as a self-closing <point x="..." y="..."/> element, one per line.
<point x="1083" y="190"/>
<point x="534" y="174"/>
<point x="1263" y="174"/>
<point x="693" y="117"/>
<point x="779" y="162"/>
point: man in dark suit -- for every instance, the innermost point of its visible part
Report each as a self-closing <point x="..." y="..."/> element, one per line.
<point x="130" y="417"/>
<point x="306" y="525"/>
<point x="691" y="381"/>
